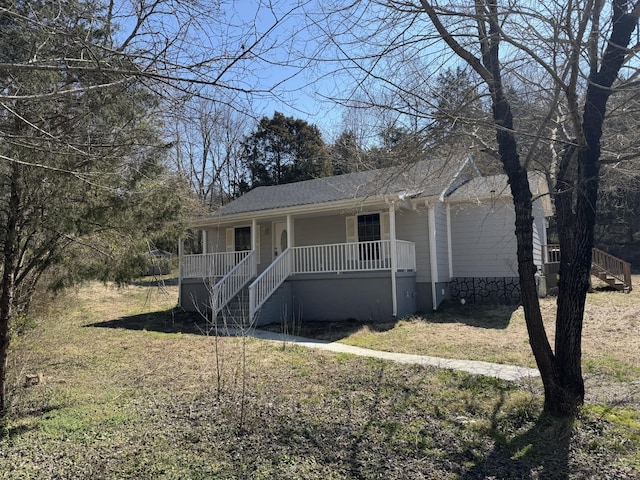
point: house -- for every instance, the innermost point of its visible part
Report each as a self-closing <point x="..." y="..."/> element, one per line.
<point x="371" y="245"/>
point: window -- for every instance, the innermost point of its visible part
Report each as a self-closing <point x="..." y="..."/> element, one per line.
<point x="242" y="239"/>
<point x="369" y="227"/>
<point x="369" y="231"/>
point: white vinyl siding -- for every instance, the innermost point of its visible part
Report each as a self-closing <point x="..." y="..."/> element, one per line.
<point x="216" y="241"/>
<point x="539" y="232"/>
<point x="413" y="226"/>
<point x="230" y="240"/>
<point x="483" y="240"/>
<point x="320" y="230"/>
<point x="442" y="250"/>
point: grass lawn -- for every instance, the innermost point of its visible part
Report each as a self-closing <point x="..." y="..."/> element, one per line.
<point x="127" y="388"/>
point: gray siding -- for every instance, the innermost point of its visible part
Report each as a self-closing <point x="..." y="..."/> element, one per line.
<point x="413" y="226"/>
<point x="265" y="245"/>
<point x="320" y="230"/>
<point x="442" y="248"/>
<point x="216" y="240"/>
<point x="539" y="232"/>
<point x="483" y="240"/>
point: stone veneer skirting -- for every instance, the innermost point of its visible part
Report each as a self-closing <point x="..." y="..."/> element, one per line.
<point x="504" y="290"/>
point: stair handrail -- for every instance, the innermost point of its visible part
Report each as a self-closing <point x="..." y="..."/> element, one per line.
<point x="268" y="281"/>
<point x="230" y="285"/>
<point x="613" y="266"/>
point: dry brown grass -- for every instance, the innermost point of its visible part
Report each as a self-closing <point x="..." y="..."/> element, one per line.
<point x="131" y="391"/>
<point x="611" y="337"/>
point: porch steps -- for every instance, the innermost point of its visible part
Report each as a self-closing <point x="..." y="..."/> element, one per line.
<point x="236" y="312"/>
<point x="614" y="271"/>
<point x="609" y="279"/>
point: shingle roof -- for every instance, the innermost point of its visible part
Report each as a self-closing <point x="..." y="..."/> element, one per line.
<point x="425" y="178"/>
<point x="495" y="185"/>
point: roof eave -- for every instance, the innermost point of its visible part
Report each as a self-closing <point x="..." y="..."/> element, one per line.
<point x="350" y="204"/>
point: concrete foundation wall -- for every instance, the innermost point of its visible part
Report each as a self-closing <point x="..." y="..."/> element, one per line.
<point x="360" y="296"/>
<point x="194" y="295"/>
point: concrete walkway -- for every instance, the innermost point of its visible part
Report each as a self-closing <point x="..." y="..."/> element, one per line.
<point x="504" y="372"/>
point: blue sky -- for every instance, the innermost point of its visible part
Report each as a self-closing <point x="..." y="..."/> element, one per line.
<point x="275" y="42"/>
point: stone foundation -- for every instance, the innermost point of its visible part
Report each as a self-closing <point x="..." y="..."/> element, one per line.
<point x="500" y="290"/>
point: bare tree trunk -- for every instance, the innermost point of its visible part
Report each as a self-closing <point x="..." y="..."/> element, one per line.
<point x="578" y="191"/>
<point x="7" y="288"/>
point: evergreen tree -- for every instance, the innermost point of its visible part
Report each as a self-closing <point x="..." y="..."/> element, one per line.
<point x="82" y="184"/>
<point x="284" y="150"/>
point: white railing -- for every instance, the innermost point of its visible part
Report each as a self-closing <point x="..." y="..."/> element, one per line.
<point x="210" y="265"/>
<point x="334" y="258"/>
<point x="353" y="257"/>
<point x="551" y="253"/>
<point x="406" y="254"/>
<point x="269" y="281"/>
<point x="230" y="284"/>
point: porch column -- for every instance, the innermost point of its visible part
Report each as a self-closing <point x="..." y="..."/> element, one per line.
<point x="254" y="233"/>
<point x="449" y="249"/>
<point x="394" y="259"/>
<point x="180" y="255"/>
<point x="289" y="231"/>
<point x="205" y="241"/>
<point x="290" y="242"/>
<point x="254" y="245"/>
<point x="433" y="256"/>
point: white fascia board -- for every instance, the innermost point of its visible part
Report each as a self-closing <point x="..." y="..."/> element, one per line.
<point x="282" y="212"/>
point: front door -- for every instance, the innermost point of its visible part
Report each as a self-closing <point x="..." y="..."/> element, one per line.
<point x="279" y="238"/>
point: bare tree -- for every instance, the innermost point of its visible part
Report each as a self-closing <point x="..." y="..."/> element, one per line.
<point x="571" y="56"/>
<point x="208" y="149"/>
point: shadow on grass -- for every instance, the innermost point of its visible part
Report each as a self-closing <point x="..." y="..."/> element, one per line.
<point x="155" y="281"/>
<point x="475" y="315"/>
<point x="541" y="451"/>
<point x="168" y="321"/>
<point x="330" y="331"/>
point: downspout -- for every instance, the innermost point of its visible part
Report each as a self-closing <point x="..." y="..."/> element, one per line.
<point x="433" y="258"/>
<point x="394" y="260"/>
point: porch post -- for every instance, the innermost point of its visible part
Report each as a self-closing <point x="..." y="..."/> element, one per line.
<point x="254" y="244"/>
<point x="449" y="241"/>
<point x="289" y="242"/>
<point x="180" y="255"/>
<point x="289" y="231"/>
<point x="254" y="228"/>
<point x="205" y="240"/>
<point x="433" y="257"/>
<point x="394" y="259"/>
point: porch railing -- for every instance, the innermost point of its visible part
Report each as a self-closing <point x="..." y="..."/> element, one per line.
<point x="352" y="257"/>
<point x="231" y="283"/>
<point x="210" y="265"/>
<point x="551" y="253"/>
<point x="333" y="258"/>
<point x="406" y="255"/>
<point x="612" y="266"/>
<point x="268" y="282"/>
<point x="602" y="263"/>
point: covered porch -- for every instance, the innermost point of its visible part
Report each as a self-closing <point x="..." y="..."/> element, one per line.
<point x="314" y="273"/>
